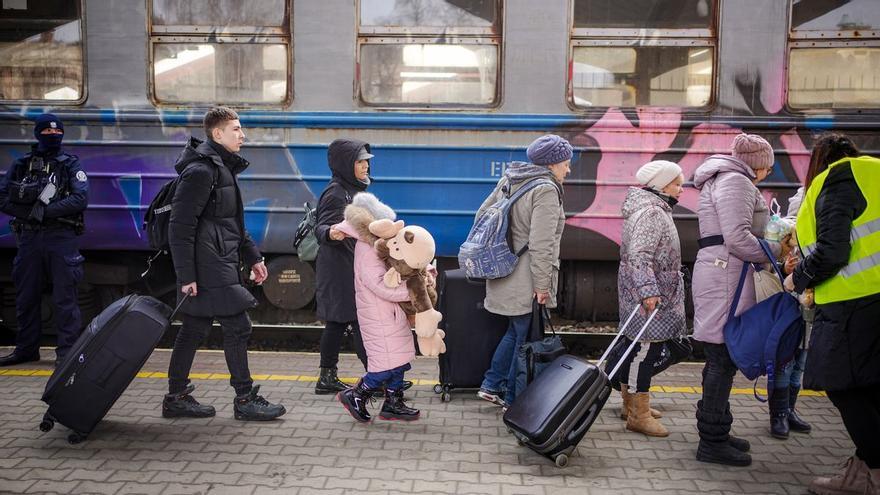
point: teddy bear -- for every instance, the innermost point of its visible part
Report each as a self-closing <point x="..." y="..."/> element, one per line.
<point x="407" y="252"/>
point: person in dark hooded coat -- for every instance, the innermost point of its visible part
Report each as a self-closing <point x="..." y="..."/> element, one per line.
<point x="349" y="164"/>
<point x="208" y="242"/>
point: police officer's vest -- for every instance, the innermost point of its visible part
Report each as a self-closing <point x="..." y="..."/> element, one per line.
<point x="861" y="276"/>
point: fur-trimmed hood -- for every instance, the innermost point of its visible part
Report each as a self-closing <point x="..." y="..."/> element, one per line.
<point x="363" y="210"/>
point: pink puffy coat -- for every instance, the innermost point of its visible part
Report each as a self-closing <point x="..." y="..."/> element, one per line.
<point x="386" y="332"/>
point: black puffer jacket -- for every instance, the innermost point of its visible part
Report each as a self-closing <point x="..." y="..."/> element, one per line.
<point x="845" y="343"/>
<point x="335" y="263"/>
<point x="206" y="231"/>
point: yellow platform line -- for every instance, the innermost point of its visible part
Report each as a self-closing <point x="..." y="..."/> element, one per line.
<point x="668" y="389"/>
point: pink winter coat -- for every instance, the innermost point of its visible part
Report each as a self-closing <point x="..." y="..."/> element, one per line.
<point x="732" y="206"/>
<point x="385" y="330"/>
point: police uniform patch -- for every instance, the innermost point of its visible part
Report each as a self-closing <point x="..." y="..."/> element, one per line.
<point x="81" y="176"/>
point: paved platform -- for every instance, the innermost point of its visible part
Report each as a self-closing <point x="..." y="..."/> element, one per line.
<point x="457" y="447"/>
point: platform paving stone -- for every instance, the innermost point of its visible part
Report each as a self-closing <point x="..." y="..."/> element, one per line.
<point x="457" y="447"/>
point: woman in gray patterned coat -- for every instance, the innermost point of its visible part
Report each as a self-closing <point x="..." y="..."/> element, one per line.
<point x="649" y="275"/>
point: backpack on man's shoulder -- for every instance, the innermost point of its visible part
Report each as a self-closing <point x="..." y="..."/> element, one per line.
<point x="487" y="252"/>
<point x="158" y="215"/>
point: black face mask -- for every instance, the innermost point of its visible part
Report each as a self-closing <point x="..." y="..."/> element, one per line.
<point x="49" y="142"/>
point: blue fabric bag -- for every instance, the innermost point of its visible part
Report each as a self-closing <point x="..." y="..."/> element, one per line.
<point x="767" y="335"/>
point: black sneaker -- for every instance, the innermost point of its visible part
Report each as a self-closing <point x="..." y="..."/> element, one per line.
<point x="355" y="399"/>
<point x="184" y="405"/>
<point x="253" y="407"/>
<point x="395" y="408"/>
<point x="329" y="383"/>
<point x="722" y="453"/>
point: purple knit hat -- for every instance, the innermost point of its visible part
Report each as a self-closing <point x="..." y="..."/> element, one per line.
<point x="754" y="150"/>
<point x="549" y="149"/>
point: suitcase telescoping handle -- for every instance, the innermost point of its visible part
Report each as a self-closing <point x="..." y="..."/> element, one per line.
<point x="173" y="313"/>
<point x="634" y="342"/>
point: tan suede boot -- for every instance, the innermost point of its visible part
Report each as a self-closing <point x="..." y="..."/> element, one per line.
<point x="852" y="479"/>
<point x="640" y="419"/>
<point x="627" y="401"/>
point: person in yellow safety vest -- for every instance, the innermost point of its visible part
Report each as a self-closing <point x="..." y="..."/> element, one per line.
<point x="838" y="229"/>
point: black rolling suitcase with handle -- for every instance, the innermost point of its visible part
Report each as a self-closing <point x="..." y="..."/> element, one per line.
<point x="472" y="333"/>
<point x="557" y="409"/>
<point x="103" y="362"/>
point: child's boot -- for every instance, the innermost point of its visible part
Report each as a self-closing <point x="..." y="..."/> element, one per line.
<point x="355" y="401"/>
<point x="394" y="407"/>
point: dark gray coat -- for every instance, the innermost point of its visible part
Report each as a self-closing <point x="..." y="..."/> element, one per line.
<point x="206" y="231"/>
<point x="334" y="266"/>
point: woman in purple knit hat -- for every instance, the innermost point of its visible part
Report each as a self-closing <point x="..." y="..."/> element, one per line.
<point x="536" y="220"/>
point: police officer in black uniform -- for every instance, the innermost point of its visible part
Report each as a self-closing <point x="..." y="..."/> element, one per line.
<point x="46" y="192"/>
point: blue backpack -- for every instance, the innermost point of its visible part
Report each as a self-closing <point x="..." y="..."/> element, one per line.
<point x="767" y="335"/>
<point x="487" y="252"/>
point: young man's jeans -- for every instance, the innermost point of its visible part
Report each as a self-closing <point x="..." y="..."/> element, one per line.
<point x="392" y="379"/>
<point x="502" y="373"/>
<point x="713" y="411"/>
<point x="236" y="332"/>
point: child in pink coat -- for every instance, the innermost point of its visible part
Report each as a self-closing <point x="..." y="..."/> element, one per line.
<point x="384" y="326"/>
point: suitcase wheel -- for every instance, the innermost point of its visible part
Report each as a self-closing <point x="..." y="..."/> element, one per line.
<point x="561" y="460"/>
<point x="47" y="423"/>
<point x="446" y="397"/>
<point x="438" y="389"/>
<point x="75" y="438"/>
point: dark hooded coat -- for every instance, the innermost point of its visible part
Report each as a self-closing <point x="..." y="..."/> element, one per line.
<point x="335" y="263"/>
<point x="206" y="231"/>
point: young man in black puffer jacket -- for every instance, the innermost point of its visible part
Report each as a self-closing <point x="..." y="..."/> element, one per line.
<point x="208" y="243"/>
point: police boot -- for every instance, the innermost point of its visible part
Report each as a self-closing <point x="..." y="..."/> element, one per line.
<point x="329" y="383"/>
<point x="184" y="405"/>
<point x="779" y="413"/>
<point x="253" y="407"/>
<point x="355" y="399"/>
<point x="16" y="357"/>
<point x="795" y="422"/>
<point x="394" y="407"/>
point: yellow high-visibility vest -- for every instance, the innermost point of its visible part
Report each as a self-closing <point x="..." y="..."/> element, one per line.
<point x="861" y="276"/>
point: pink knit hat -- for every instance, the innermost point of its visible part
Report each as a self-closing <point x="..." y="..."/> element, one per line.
<point x="754" y="150"/>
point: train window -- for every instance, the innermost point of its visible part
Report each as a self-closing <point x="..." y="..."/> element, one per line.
<point x="228" y="15"/>
<point x="669" y="76"/>
<point x="429" y="53"/>
<point x="41" y="44"/>
<point x="663" y="15"/>
<point x="220" y="51"/>
<point x="834" y="19"/>
<point x="659" y="53"/>
<point x="834" y="57"/>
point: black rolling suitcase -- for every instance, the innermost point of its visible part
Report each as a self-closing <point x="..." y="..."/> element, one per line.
<point x="557" y="409"/>
<point x="102" y="363"/>
<point x="472" y="333"/>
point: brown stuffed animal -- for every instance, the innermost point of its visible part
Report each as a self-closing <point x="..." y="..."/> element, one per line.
<point x="407" y="252"/>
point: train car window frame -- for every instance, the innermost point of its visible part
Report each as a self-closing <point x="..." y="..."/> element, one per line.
<point x="825" y="39"/>
<point x="84" y="82"/>
<point x="428" y="35"/>
<point x="221" y="35"/>
<point x="645" y="37"/>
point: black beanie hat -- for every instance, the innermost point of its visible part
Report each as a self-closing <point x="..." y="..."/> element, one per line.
<point x="47" y="121"/>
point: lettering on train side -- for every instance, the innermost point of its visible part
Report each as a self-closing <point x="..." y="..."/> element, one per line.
<point x="497" y="168"/>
